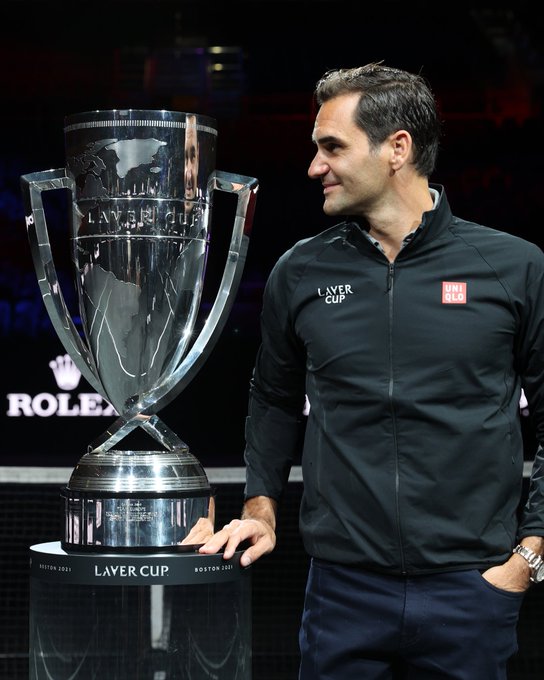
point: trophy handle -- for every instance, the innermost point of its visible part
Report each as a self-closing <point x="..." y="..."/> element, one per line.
<point x="32" y="186"/>
<point x="140" y="411"/>
<point x="246" y="190"/>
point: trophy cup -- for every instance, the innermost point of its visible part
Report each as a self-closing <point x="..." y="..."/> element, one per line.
<point x="141" y="184"/>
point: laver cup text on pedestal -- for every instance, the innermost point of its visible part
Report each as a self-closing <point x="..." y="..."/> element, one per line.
<point x="142" y="184"/>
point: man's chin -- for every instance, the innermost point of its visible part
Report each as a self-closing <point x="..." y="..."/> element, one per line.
<point x="330" y="209"/>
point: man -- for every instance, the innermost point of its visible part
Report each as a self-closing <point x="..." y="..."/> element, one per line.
<point x="191" y="163"/>
<point x="412" y="333"/>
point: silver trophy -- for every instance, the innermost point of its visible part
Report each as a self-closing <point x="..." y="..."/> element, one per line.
<point x="141" y="184"/>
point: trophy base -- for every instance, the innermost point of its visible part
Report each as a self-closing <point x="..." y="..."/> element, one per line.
<point x="137" y="501"/>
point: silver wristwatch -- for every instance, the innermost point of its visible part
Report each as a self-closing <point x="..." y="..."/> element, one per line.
<point x="535" y="562"/>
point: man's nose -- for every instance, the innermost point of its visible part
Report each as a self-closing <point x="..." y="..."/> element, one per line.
<point x="317" y="167"/>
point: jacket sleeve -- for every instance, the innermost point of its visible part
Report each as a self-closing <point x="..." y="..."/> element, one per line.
<point x="275" y="420"/>
<point x="530" y="355"/>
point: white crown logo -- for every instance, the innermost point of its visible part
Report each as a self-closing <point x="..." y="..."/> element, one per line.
<point x="66" y="372"/>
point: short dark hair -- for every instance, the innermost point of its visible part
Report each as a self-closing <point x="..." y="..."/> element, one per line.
<point x="391" y="99"/>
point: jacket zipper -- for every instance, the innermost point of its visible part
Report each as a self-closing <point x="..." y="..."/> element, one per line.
<point x="390" y="285"/>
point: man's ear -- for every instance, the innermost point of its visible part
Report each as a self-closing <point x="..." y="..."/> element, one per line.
<point x="401" y="148"/>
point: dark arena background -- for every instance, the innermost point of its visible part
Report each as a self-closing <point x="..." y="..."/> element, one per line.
<point x="252" y="66"/>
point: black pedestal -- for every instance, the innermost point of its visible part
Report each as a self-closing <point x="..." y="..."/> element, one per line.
<point x="180" y="616"/>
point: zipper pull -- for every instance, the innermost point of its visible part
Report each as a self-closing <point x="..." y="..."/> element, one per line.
<point x="390" y="271"/>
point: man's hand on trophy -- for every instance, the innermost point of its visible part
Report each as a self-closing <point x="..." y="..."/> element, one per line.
<point x="258" y="532"/>
<point x="257" y="527"/>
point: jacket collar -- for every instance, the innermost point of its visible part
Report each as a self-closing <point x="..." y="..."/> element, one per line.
<point x="433" y="223"/>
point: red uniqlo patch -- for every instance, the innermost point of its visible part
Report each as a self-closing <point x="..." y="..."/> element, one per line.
<point x="454" y="293"/>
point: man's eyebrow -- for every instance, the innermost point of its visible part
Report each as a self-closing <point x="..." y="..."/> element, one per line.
<point x="328" y="139"/>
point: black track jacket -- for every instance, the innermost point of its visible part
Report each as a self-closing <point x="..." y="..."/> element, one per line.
<point x="413" y="453"/>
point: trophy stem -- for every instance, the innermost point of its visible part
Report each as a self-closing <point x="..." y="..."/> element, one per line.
<point x="153" y="425"/>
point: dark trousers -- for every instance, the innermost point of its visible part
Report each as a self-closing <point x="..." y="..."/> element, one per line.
<point x="359" y="625"/>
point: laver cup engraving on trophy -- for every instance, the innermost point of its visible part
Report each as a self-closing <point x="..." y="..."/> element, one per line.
<point x="141" y="184"/>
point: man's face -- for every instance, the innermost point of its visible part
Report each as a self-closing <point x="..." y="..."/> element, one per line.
<point x="354" y="175"/>
<point x="191" y="160"/>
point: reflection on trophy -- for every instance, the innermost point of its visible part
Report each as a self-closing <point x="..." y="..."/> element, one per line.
<point x="142" y="184"/>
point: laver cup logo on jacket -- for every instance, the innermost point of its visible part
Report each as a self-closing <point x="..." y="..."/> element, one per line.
<point x="454" y="293"/>
<point x="335" y="294"/>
